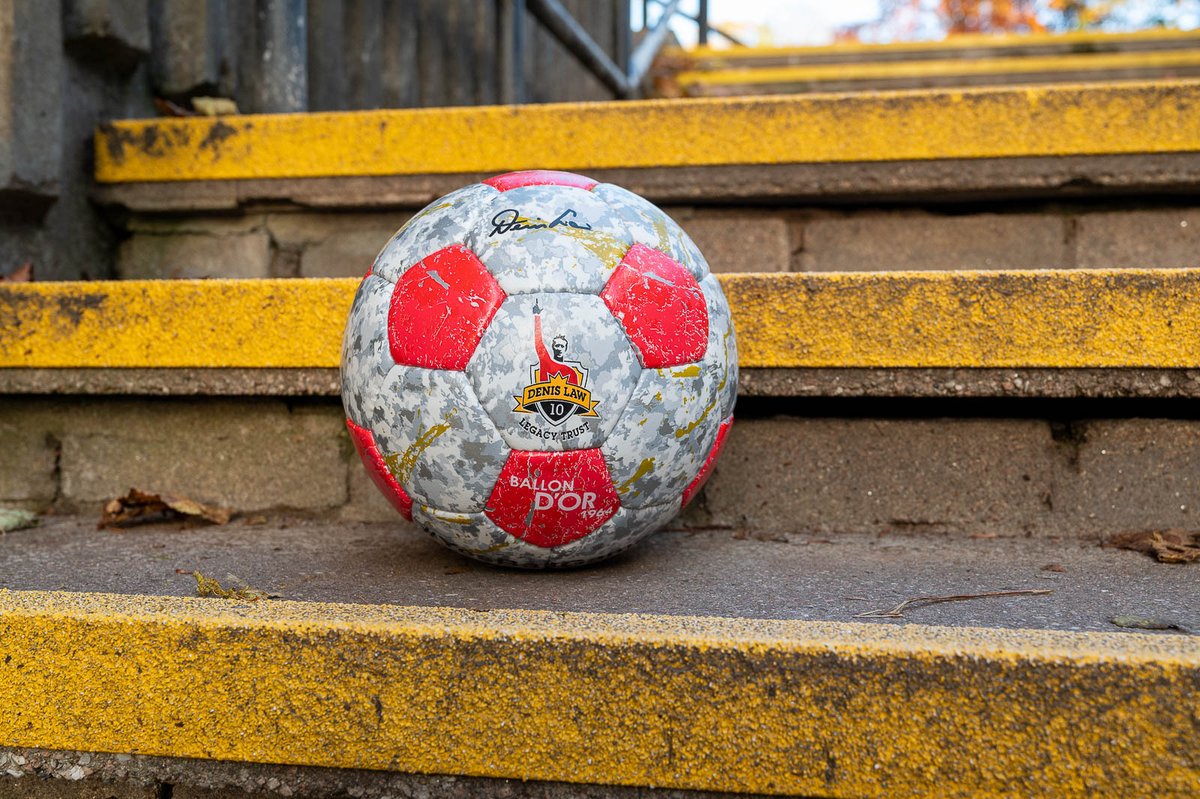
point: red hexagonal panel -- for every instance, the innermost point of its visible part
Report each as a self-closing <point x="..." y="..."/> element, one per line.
<point x="440" y="308"/>
<point x="553" y="498"/>
<point x="661" y="307"/>
<point x="709" y="463"/>
<point x="372" y="458"/>
<point x="540" y="177"/>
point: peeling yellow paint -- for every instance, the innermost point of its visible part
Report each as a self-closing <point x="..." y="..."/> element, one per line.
<point x="1151" y="117"/>
<point x="784" y="707"/>
<point x="167" y="323"/>
<point x="1140" y="318"/>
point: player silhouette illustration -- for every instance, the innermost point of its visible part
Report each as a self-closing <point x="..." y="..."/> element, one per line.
<point x="552" y="365"/>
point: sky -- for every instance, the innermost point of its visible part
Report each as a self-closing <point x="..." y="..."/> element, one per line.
<point x="790" y="21"/>
<point x="794" y="22"/>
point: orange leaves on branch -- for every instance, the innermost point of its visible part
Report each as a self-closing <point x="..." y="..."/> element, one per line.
<point x="989" y="16"/>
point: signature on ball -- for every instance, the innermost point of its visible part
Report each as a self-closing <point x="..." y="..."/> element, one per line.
<point x="510" y="219"/>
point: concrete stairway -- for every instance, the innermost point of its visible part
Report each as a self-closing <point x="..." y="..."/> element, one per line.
<point x="957" y="61"/>
<point x="1054" y="177"/>
<point x="900" y="435"/>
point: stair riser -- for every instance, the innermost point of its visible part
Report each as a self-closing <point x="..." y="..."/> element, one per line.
<point x="733" y="239"/>
<point x="866" y="473"/>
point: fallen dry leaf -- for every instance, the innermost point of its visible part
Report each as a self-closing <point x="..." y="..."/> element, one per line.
<point x="22" y="274"/>
<point x="214" y="106"/>
<point x="210" y="587"/>
<point x="1054" y="567"/>
<point x="1169" y="546"/>
<point x="13" y="519"/>
<point x="1148" y="623"/>
<point x="141" y="506"/>
<point x="169" y="109"/>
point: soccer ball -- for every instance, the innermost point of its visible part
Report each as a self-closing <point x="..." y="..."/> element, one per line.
<point x="539" y="369"/>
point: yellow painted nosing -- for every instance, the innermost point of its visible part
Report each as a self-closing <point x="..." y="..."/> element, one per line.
<point x="1133" y="318"/>
<point x="1046" y="65"/>
<point x="1097" y="119"/>
<point x="810" y="708"/>
<point x="999" y="42"/>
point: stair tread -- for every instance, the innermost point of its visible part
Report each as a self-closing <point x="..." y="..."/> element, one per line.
<point x="778" y="689"/>
<point x="1066" y="120"/>
<point x="1102" y="318"/>
<point x="794" y="576"/>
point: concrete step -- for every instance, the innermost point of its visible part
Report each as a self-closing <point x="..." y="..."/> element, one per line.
<point x="665" y="149"/>
<point x="702" y="660"/>
<point x="1049" y="404"/>
<point x="1061" y="177"/>
<point x="1053" y="319"/>
<point x="959" y="46"/>
<point x="937" y="72"/>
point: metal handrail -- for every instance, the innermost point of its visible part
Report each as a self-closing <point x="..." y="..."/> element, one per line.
<point x="701" y="20"/>
<point x="624" y="79"/>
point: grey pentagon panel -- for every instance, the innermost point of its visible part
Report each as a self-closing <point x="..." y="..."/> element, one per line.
<point x="549" y="238"/>
<point x="366" y="357"/>
<point x="645" y="223"/>
<point x="436" y="439"/>
<point x="440" y="224"/>
<point x="722" y="338"/>
<point x="669" y="427"/>
<point x="627" y="527"/>
<point x="554" y="371"/>
<point x="476" y="536"/>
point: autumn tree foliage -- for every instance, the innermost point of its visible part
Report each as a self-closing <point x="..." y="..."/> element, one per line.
<point x="989" y="16"/>
<point x="901" y="20"/>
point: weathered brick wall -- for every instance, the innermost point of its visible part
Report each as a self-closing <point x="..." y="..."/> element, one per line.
<point x="734" y="239"/>
<point x="960" y="475"/>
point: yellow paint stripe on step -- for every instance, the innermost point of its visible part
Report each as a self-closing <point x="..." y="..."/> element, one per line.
<point x="1097" y="119"/>
<point x="169" y="323"/>
<point x="944" y="68"/>
<point x="1083" y="40"/>
<point x="783" y="707"/>
<point x="1085" y="318"/>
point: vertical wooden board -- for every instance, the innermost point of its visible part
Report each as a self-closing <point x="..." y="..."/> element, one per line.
<point x="242" y="81"/>
<point x="432" y="44"/>
<point x="398" y="81"/>
<point x="179" y="51"/>
<point x="487" y="65"/>
<point x="363" y="48"/>
<point x="326" y="76"/>
<point x="456" y="57"/>
<point x="542" y="79"/>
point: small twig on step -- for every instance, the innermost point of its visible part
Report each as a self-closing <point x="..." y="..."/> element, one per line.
<point x="895" y="613"/>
